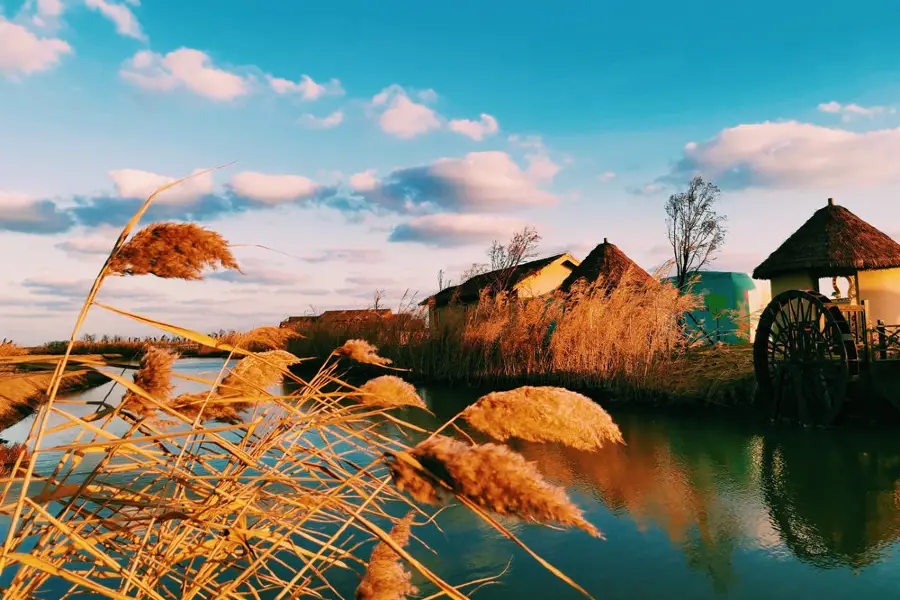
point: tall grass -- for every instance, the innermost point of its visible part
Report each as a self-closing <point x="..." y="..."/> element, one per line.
<point x="238" y="491"/>
<point x="593" y="337"/>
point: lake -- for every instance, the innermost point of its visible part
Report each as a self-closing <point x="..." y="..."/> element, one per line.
<point x="690" y="507"/>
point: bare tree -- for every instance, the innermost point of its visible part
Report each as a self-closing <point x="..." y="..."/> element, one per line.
<point x="377" y="298"/>
<point x="696" y="232"/>
<point x="474" y="270"/>
<point x="443" y="284"/>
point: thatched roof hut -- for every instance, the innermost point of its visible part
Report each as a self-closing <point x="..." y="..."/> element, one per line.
<point x="509" y="280"/>
<point x="832" y="243"/>
<point x="610" y="263"/>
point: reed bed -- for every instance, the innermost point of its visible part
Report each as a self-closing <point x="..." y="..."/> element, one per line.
<point x="241" y="491"/>
<point x="627" y="342"/>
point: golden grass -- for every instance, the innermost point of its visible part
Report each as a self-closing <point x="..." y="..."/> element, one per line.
<point x="386" y="578"/>
<point x="362" y="352"/>
<point x="544" y="414"/>
<point x="492" y="476"/>
<point x="389" y="391"/>
<point x="591" y="338"/>
<point x="172" y="251"/>
<point x="271" y="504"/>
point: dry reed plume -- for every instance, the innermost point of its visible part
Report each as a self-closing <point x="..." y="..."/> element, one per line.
<point x="172" y="251"/>
<point x="249" y="379"/>
<point x="9" y="454"/>
<point x="386" y="578"/>
<point x="265" y="507"/>
<point x="389" y="391"/>
<point x="155" y="378"/>
<point x="492" y="476"/>
<point x="362" y="352"/>
<point x="544" y="414"/>
<point x="261" y="338"/>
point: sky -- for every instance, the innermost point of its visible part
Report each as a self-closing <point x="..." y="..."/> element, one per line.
<point x="370" y="145"/>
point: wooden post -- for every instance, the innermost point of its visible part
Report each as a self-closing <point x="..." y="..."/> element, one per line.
<point x="882" y="340"/>
<point x="864" y="325"/>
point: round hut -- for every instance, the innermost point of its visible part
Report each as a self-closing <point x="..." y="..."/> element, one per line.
<point x="834" y="243"/>
<point x="811" y="350"/>
<point x="606" y="261"/>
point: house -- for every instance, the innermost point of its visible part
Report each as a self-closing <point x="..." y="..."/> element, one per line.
<point x="833" y="244"/>
<point x="606" y="261"/>
<point x="527" y="280"/>
<point x="339" y="318"/>
<point x="732" y="304"/>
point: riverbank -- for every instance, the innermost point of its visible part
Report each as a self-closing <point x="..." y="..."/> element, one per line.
<point x="705" y="380"/>
<point x="22" y="393"/>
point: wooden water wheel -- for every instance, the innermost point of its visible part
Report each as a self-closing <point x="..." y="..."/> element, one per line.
<point x="804" y="356"/>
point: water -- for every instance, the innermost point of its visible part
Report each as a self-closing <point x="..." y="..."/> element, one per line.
<point x="690" y="509"/>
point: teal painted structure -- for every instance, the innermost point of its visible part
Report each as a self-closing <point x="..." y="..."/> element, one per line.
<point x="722" y="291"/>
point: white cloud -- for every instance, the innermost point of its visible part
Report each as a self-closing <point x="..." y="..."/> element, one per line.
<point x="608" y="176"/>
<point x="477" y="130"/>
<point x="793" y="155"/>
<point x="306" y="87"/>
<point x="121" y="16"/>
<point x="133" y="183"/>
<point x="184" y="68"/>
<point x="50" y="8"/>
<point x="402" y="117"/>
<point x="479" y="182"/>
<point x="541" y="167"/>
<point x="428" y="95"/>
<point x="22" y="52"/>
<point x="272" y="189"/>
<point x="21" y="213"/>
<point x="849" y="111"/>
<point x="99" y="241"/>
<point x="450" y="230"/>
<point x="328" y="122"/>
<point x="364" y="182"/>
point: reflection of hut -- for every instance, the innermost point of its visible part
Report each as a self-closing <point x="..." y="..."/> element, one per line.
<point x="833" y="504"/>
<point x="835" y="243"/>
<point x="606" y="261"/>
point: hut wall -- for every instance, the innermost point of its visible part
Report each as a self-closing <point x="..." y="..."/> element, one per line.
<point x="794" y="281"/>
<point x="882" y="289"/>
<point x="544" y="281"/>
<point x="729" y="291"/>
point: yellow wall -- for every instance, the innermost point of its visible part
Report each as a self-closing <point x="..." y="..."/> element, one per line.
<point x="882" y="289"/>
<point x="793" y="281"/>
<point x="546" y="280"/>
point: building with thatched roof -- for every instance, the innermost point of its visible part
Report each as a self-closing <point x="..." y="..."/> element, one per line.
<point x="527" y="280"/>
<point x="606" y="261"/>
<point x="836" y="243"/>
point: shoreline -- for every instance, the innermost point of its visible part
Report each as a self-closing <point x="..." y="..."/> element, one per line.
<point x="22" y="394"/>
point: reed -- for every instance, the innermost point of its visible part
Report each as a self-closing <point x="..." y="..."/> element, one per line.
<point x="149" y="497"/>
<point x="625" y="342"/>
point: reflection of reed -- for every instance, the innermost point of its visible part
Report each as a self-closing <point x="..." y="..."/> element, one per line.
<point x="654" y="485"/>
<point x="840" y="510"/>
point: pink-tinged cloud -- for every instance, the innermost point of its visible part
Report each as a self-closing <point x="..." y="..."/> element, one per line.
<point x="607" y="176"/>
<point x="850" y="111"/>
<point x="476" y="130"/>
<point x="273" y="189"/>
<point x="184" y="68"/>
<point x="327" y="122"/>
<point x="451" y="230"/>
<point x="793" y="155"/>
<point x="121" y="16"/>
<point x="306" y="88"/>
<point x="23" y="214"/>
<point x="137" y="184"/>
<point x="401" y="117"/>
<point x="24" y="53"/>
<point x="479" y="182"/>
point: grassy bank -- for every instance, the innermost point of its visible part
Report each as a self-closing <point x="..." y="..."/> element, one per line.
<point x="623" y="345"/>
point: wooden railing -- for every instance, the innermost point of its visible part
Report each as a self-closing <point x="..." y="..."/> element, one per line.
<point x="886" y="341"/>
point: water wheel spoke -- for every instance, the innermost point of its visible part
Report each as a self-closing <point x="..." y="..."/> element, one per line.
<point x="801" y="357"/>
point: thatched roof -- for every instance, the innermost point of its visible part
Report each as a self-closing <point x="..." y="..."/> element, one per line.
<point x="833" y="242"/>
<point x="470" y="290"/>
<point x="607" y="261"/>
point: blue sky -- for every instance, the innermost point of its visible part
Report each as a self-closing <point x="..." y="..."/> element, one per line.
<point x="376" y="143"/>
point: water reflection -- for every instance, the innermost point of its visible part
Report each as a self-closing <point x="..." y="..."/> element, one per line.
<point x="691" y="508"/>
